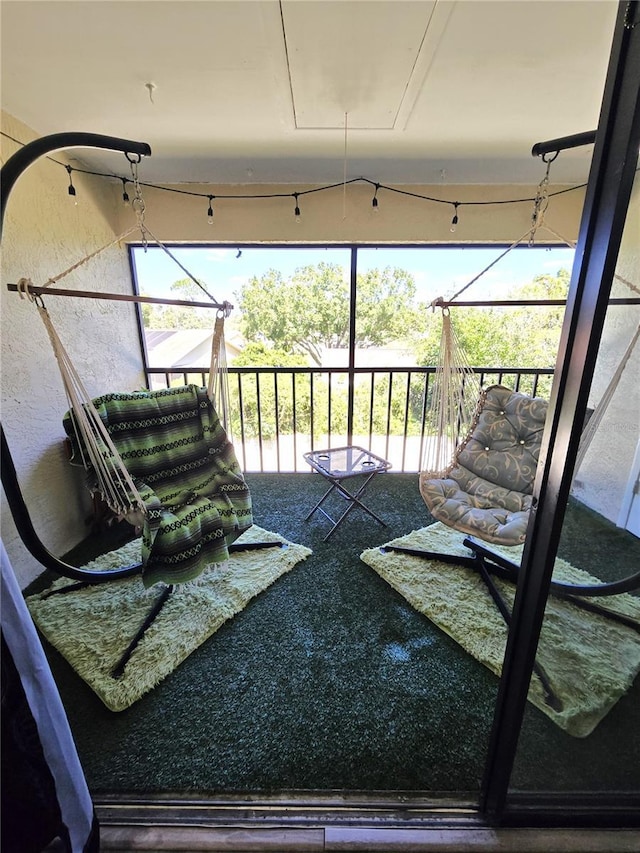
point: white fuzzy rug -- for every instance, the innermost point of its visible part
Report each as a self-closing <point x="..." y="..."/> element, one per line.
<point x="92" y="627"/>
<point x="590" y="660"/>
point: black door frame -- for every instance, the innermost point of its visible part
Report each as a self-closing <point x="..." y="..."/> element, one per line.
<point x="611" y="178"/>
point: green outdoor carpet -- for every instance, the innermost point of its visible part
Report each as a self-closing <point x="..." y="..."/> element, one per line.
<point x="93" y="626"/>
<point x="590" y="660"/>
<point x="330" y="680"/>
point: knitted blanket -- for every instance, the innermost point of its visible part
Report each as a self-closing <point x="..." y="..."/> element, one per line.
<point x="185" y="468"/>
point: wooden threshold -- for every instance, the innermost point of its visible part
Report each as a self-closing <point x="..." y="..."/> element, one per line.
<point x="332" y="823"/>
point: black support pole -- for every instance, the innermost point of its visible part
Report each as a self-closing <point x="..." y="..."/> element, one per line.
<point x="9" y="174"/>
<point x="29" y="153"/>
<point x="563" y="143"/>
<point x="353" y="295"/>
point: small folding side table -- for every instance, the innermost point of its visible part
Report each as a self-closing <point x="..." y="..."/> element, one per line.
<point x="342" y="463"/>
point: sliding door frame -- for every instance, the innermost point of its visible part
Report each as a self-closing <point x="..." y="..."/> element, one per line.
<point x="611" y="179"/>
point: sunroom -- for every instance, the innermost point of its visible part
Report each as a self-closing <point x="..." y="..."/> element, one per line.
<point x="330" y="711"/>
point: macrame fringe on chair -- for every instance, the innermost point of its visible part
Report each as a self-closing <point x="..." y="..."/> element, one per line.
<point x="453" y="402"/>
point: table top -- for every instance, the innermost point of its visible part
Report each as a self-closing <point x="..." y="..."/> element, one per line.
<point x="340" y="462"/>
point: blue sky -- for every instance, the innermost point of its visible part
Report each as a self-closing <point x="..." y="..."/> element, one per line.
<point x="437" y="272"/>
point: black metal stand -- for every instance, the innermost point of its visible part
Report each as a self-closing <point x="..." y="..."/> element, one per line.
<point x="118" y="669"/>
<point x="488" y="563"/>
<point x="9" y="174"/>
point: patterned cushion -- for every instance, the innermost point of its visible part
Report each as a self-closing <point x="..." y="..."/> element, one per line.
<point x="487" y="491"/>
<point x="184" y="466"/>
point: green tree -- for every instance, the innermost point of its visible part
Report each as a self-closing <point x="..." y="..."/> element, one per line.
<point x="384" y="306"/>
<point x="506" y="337"/>
<point x="310" y="310"/>
<point x="260" y="355"/>
<point x="178" y="316"/>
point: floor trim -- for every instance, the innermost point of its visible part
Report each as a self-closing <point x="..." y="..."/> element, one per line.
<point x="331" y="823"/>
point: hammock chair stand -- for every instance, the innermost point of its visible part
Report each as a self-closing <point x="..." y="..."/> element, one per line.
<point x="10" y="172"/>
<point x="450" y="413"/>
<point x="487" y="564"/>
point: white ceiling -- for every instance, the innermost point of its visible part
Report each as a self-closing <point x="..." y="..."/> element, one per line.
<point x="258" y="91"/>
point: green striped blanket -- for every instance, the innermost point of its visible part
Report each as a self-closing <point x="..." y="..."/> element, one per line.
<point x="186" y="471"/>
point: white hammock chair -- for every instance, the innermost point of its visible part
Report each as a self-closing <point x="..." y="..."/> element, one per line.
<point x="457" y="401"/>
<point x="99" y="454"/>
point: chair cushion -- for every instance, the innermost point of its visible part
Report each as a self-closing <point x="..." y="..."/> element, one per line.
<point x="487" y="491"/>
<point x="488" y="511"/>
<point x="504" y="446"/>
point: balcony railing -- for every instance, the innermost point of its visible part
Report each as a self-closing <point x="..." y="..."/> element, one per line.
<point x="279" y="413"/>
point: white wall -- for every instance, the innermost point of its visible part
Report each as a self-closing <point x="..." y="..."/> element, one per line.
<point x="601" y="481"/>
<point x="44" y="234"/>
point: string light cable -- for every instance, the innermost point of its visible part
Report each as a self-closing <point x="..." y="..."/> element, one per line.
<point x="538" y="201"/>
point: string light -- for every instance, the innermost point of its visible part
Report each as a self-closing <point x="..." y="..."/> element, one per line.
<point x="374" y="200"/>
<point x="71" y="190"/>
<point x="296" y="195"/>
<point x="454" y="221"/>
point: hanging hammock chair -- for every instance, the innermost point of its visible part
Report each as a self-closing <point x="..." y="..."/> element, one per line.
<point x="455" y="405"/>
<point x="480" y="458"/>
<point x="480" y="461"/>
<point x="162" y="460"/>
<point x="478" y="475"/>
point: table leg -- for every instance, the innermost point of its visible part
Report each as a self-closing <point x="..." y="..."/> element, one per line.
<point x="321" y="501"/>
<point x="353" y="501"/>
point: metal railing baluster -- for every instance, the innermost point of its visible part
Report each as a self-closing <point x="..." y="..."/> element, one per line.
<point x="404" y="445"/>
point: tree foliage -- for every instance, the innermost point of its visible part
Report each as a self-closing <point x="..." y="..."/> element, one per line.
<point x="261" y="355"/>
<point x="177" y="316"/>
<point x="310" y="310"/>
<point x="506" y="337"/>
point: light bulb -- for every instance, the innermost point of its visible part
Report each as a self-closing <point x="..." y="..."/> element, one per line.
<point x="454" y="221"/>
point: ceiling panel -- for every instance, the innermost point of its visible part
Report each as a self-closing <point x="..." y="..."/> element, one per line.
<point x="354" y="58"/>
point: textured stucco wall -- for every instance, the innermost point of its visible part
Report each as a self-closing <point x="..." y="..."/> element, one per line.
<point x="44" y="234"/>
<point x="601" y="481"/>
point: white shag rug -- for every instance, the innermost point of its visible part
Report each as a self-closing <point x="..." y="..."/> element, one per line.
<point x="590" y="660"/>
<point x="92" y="627"/>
